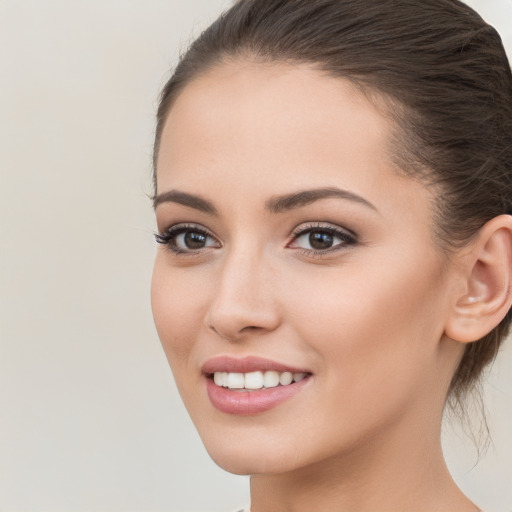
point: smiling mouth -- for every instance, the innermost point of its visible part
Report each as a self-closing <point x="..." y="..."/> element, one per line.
<point x="251" y="385"/>
<point x="256" y="380"/>
<point x="253" y="392"/>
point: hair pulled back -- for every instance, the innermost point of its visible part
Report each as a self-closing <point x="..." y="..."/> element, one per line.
<point x="445" y="79"/>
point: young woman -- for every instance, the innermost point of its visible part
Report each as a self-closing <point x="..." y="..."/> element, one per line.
<point x="333" y="193"/>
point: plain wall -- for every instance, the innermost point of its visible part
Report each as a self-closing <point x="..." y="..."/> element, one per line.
<point x="90" y="419"/>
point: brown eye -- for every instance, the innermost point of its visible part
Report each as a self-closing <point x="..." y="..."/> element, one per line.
<point x="184" y="239"/>
<point x="321" y="240"/>
<point x="193" y="240"/>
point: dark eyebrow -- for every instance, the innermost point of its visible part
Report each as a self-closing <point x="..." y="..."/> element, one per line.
<point x="186" y="199"/>
<point x="278" y="204"/>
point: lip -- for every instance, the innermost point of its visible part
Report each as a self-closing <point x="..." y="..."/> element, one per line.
<point x="247" y="364"/>
<point x="245" y="403"/>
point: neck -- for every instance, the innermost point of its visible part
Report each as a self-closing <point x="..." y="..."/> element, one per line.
<point x="393" y="474"/>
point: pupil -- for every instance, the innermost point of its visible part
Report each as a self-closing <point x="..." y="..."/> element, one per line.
<point x="195" y="240"/>
<point x="320" y="240"/>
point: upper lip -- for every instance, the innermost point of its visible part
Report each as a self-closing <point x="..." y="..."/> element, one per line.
<point x="246" y="364"/>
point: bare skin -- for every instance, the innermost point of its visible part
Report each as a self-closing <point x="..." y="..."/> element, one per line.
<point x="377" y="315"/>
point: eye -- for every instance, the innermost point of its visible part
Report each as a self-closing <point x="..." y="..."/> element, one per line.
<point x="187" y="239"/>
<point x="321" y="238"/>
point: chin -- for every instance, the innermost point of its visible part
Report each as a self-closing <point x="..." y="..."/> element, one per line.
<point x="244" y="464"/>
<point x="246" y="456"/>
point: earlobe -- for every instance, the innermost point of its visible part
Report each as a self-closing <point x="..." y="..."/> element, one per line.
<point x="487" y="275"/>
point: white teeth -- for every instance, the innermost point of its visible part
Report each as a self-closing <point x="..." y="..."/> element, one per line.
<point x="271" y="379"/>
<point x="285" y="378"/>
<point x="256" y="380"/>
<point x="218" y="378"/>
<point x="236" y="381"/>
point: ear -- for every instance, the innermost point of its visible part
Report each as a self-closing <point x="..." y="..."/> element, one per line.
<point x="487" y="275"/>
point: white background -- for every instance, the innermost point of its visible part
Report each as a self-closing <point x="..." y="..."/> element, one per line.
<point x="89" y="416"/>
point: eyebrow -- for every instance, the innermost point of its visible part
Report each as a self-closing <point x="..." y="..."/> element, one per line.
<point x="279" y="204"/>
<point x="276" y="204"/>
<point x="185" y="199"/>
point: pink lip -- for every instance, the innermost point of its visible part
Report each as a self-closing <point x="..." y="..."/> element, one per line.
<point x="246" y="403"/>
<point x="246" y="364"/>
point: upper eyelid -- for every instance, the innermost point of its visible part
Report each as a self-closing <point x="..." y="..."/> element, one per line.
<point x="304" y="227"/>
<point x="187" y="226"/>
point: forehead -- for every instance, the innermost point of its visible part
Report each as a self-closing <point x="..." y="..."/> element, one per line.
<point x="246" y="110"/>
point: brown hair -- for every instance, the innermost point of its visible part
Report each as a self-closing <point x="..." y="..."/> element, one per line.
<point x="446" y="80"/>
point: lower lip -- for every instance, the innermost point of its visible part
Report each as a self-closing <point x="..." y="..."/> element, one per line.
<point x="245" y="403"/>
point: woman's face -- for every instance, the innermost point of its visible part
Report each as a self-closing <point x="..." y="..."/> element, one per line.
<point x="295" y="251"/>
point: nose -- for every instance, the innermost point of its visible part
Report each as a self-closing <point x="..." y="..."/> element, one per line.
<point x="244" y="300"/>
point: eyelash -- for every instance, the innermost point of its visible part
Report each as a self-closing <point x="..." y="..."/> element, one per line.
<point x="169" y="237"/>
<point x="347" y="238"/>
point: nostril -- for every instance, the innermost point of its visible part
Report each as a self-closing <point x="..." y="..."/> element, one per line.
<point x="212" y="328"/>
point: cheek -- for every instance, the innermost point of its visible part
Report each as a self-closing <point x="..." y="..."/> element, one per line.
<point x="371" y="327"/>
<point x="176" y="310"/>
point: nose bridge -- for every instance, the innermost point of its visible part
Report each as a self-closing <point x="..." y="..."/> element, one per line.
<point x="244" y="299"/>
